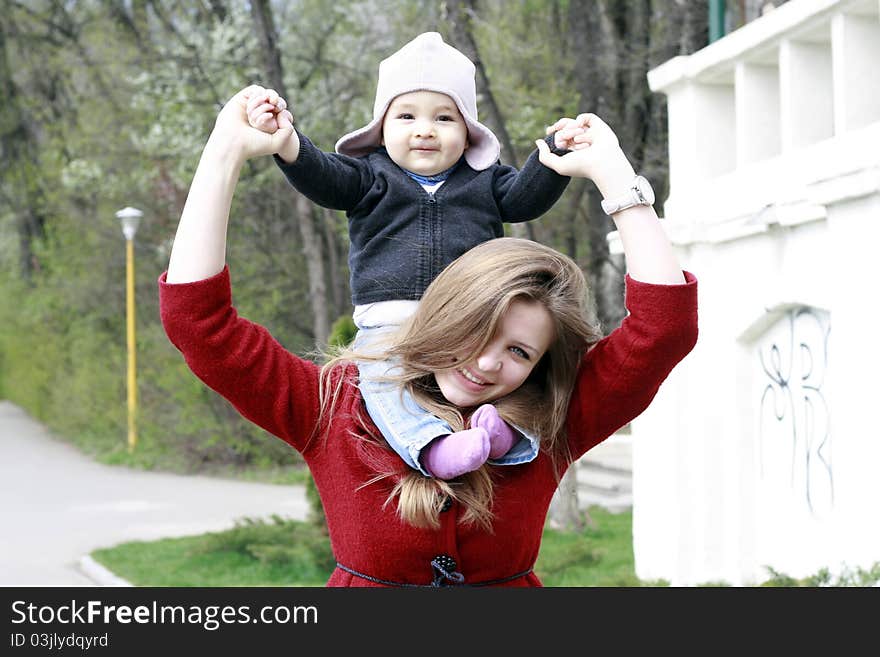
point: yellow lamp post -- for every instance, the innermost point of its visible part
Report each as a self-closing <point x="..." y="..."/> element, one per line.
<point x="130" y="218"/>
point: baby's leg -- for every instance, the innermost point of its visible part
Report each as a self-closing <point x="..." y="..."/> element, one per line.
<point x="450" y="456"/>
<point x="501" y="436"/>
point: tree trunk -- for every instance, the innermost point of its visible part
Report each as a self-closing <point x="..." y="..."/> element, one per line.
<point x="339" y="289"/>
<point x="314" y="253"/>
<point x="565" y="513"/>
<point x="264" y="26"/>
<point x="591" y="42"/>
<point x="460" y="13"/>
<point x="20" y="188"/>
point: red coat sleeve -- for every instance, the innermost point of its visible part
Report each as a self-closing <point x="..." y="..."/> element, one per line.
<point x="621" y="374"/>
<point x="241" y="360"/>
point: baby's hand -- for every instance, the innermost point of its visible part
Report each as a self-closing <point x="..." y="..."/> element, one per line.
<point x="267" y="111"/>
<point x="566" y="130"/>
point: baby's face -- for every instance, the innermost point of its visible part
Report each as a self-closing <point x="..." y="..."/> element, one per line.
<point x="424" y="132"/>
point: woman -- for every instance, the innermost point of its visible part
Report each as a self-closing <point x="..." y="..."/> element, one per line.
<point x="505" y="323"/>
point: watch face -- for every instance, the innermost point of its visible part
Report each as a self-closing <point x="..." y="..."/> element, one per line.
<point x="645" y="189"/>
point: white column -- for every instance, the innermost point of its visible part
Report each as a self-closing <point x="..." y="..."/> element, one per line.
<point x="701" y="132"/>
<point x="757" y="112"/>
<point x="855" y="45"/>
<point x="806" y="93"/>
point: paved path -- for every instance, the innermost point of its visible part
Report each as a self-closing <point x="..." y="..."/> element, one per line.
<point x="57" y="505"/>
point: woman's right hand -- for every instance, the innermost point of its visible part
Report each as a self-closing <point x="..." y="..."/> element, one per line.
<point x="234" y="134"/>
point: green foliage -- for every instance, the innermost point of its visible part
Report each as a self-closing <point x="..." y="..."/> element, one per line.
<point x="316" y="517"/>
<point x="278" y="552"/>
<point x="846" y="577"/>
<point x="342" y="332"/>
<point x="600" y="555"/>
<point x="117" y="119"/>
<point x="278" y="542"/>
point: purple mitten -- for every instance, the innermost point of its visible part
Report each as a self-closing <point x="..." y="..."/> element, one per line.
<point x="501" y="436"/>
<point x="449" y="456"/>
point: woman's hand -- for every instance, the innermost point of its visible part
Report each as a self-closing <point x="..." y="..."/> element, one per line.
<point x="595" y="153"/>
<point x="234" y="135"/>
<point x="199" y="249"/>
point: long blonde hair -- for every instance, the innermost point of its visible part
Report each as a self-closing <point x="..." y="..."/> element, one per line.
<point x="456" y="318"/>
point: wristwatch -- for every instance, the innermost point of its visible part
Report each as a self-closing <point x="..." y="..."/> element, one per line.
<point x="640" y="192"/>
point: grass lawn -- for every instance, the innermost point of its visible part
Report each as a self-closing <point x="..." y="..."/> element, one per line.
<point x="282" y="552"/>
<point x="277" y="552"/>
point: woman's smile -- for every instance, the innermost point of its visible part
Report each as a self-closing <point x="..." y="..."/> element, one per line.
<point x="471" y="381"/>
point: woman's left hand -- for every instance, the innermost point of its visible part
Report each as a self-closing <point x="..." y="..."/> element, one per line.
<point x="595" y="153"/>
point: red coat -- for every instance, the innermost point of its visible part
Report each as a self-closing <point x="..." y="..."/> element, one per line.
<point x="279" y="391"/>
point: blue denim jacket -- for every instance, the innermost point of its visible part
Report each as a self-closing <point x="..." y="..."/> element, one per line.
<point x="401" y="237"/>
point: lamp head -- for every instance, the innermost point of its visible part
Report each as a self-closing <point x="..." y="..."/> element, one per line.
<point x="129" y="218"/>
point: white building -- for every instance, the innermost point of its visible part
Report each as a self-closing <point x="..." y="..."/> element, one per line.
<point x="763" y="447"/>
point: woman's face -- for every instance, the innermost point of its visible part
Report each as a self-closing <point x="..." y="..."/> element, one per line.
<point x="523" y="336"/>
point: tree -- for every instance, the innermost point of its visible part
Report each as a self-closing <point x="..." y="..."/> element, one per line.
<point x="20" y="189"/>
<point x="460" y="15"/>
<point x="616" y="44"/>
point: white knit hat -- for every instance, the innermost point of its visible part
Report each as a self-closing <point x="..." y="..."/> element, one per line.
<point x="427" y="64"/>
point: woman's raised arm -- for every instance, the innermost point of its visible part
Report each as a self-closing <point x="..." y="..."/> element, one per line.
<point x="596" y="154"/>
<point x="199" y="249"/>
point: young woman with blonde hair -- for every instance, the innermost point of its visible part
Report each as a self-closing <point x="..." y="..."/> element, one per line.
<point x="505" y="323"/>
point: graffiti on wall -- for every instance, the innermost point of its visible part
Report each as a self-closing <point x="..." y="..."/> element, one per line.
<point x="794" y="421"/>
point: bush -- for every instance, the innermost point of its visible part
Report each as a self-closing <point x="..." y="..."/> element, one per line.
<point x="282" y="543"/>
<point x="847" y="577"/>
<point x="342" y="332"/>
